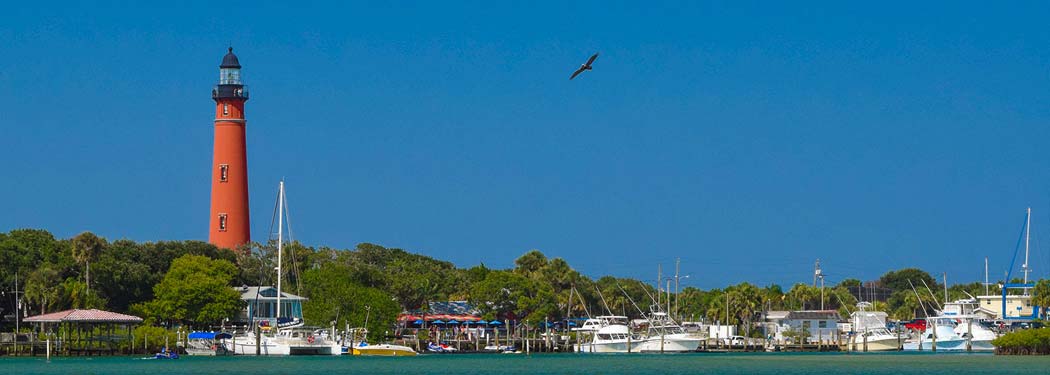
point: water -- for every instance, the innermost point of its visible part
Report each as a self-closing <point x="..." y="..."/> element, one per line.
<point x="747" y="363"/>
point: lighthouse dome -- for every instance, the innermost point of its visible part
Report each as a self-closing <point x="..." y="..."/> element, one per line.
<point x="230" y="60"/>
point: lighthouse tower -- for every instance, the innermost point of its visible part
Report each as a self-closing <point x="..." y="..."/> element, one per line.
<point x="229" y="175"/>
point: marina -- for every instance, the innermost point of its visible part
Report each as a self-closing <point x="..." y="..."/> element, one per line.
<point x="757" y="363"/>
<point x="532" y="188"/>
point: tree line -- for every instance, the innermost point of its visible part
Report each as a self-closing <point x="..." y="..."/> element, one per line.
<point x="192" y="283"/>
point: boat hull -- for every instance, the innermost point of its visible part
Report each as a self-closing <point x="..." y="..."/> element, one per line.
<point x="945" y="345"/>
<point x="879" y="345"/>
<point x="384" y="351"/>
<point x="671" y="343"/>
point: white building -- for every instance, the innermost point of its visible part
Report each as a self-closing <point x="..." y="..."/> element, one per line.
<point x="818" y="324"/>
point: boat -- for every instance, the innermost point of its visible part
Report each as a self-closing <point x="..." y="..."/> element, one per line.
<point x="284" y="335"/>
<point x="164" y="354"/>
<point x="208" y="344"/>
<point x="607" y="334"/>
<point x="434" y="347"/>
<point x="665" y="335"/>
<point x="940" y="332"/>
<point x="871" y="332"/>
<point x="969" y="324"/>
<point x="386" y="350"/>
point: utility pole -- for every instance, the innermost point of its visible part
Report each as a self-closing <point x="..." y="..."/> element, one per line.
<point x="817" y="273"/>
<point x="18" y="305"/>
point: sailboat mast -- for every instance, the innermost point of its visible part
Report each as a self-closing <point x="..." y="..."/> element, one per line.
<point x="280" y="240"/>
<point x="986" y="276"/>
<point x="1027" y="234"/>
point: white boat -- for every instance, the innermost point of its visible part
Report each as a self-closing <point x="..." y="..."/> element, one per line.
<point x="870" y="328"/>
<point x="385" y="350"/>
<point x="940" y="331"/>
<point x="207" y="344"/>
<point x="665" y="335"/>
<point x="607" y="334"/>
<point x="284" y="335"/>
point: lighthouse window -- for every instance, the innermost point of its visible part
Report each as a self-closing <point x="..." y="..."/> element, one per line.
<point x="225" y="109"/>
<point x="224" y="172"/>
<point x="222" y="222"/>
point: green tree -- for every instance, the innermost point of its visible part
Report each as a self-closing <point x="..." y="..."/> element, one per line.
<point x="335" y="298"/>
<point x="530" y="263"/>
<point x="41" y="288"/>
<point x="86" y="248"/>
<point x="899" y="280"/>
<point x="196" y="290"/>
<point x="1041" y="294"/>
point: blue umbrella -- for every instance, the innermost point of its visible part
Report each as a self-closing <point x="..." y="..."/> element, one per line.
<point x="418" y="321"/>
<point x="495" y="323"/>
<point x="453" y="321"/>
<point x="439" y="321"/>
<point x="481" y="322"/>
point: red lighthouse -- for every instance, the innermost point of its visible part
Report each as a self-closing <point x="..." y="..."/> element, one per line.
<point x="229" y="176"/>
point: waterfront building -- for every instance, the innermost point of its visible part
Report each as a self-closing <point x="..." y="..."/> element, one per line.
<point x="261" y="305"/>
<point x="229" y="224"/>
<point x="1002" y="307"/>
<point x="815" y="324"/>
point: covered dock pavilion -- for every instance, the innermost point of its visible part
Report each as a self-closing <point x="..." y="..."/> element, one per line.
<point x="86" y="332"/>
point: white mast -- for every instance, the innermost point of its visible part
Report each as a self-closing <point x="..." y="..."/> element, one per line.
<point x="1027" y="233"/>
<point x="986" y="276"/>
<point x="280" y="222"/>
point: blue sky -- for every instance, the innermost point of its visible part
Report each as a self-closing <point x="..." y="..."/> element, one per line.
<point x="748" y="139"/>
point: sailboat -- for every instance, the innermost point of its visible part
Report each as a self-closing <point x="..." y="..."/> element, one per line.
<point x="285" y="335"/>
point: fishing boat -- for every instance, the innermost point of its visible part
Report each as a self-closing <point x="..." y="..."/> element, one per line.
<point x="940" y="332"/>
<point x="870" y="328"/>
<point x="664" y="335"/>
<point x="607" y="334"/>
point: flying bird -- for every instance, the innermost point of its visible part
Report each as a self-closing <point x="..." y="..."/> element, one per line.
<point x="585" y="66"/>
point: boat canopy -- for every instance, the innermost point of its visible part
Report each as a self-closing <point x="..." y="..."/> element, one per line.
<point x="209" y="335"/>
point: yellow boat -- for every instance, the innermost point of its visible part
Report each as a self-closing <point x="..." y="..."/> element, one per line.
<point x="387" y="350"/>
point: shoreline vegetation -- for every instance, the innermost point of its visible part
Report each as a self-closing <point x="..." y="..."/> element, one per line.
<point x="1034" y="341"/>
<point x="190" y="285"/>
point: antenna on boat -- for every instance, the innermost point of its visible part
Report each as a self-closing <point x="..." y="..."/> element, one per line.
<point x="635" y="304"/>
<point x="919" y="298"/>
<point x="945" y="276"/>
<point x="986" y="276"/>
<point x="1027" y="235"/>
<point x="607" y="308"/>
<point x="935" y="302"/>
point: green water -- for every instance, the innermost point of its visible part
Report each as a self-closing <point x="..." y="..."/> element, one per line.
<point x="751" y="363"/>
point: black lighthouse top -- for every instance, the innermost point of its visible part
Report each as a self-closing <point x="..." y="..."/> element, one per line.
<point x="230" y="60"/>
<point x="230" y="85"/>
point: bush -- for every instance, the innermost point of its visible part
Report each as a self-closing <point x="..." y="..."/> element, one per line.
<point x="1024" y="342"/>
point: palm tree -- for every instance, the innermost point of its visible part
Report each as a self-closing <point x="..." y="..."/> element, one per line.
<point x="86" y="248"/>
<point x="1041" y="294"/>
<point x="42" y="288"/>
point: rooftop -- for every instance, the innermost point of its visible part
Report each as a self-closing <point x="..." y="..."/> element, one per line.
<point x="83" y="316"/>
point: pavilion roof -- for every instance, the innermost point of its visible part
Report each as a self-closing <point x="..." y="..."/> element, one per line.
<point x="83" y="316"/>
